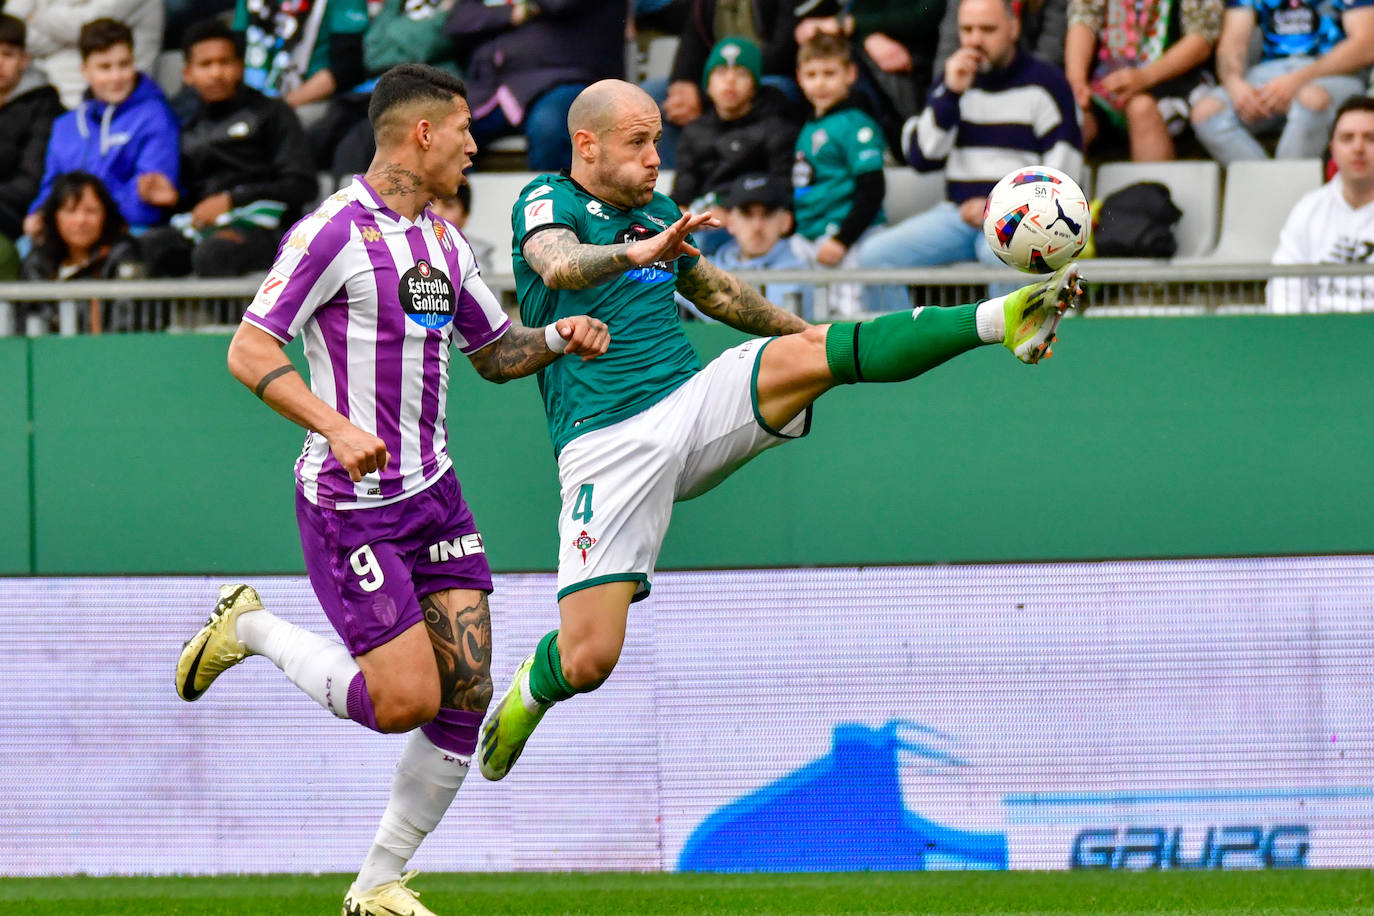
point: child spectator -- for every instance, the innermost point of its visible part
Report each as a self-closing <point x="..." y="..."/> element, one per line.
<point x="245" y="166"/>
<point x="1139" y="66"/>
<point x="28" y="106"/>
<point x="758" y="214"/>
<point x="123" y="132"/>
<point x="54" y="37"/>
<point x="456" y="209"/>
<point x="83" y="235"/>
<point x="749" y="129"/>
<point x="838" y="173"/>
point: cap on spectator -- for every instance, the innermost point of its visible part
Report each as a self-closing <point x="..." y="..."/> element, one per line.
<point x="734" y="52"/>
<point x="757" y="189"/>
<point x="13" y="31"/>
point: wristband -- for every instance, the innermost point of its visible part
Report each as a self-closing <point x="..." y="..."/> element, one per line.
<point x="553" y="339"/>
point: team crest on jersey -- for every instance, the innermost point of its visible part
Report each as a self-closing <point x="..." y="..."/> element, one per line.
<point x="584" y="542"/>
<point x="427" y="296"/>
<point x="442" y="235"/>
<point x="656" y="272"/>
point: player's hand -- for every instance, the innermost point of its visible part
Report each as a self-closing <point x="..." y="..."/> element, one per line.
<point x="961" y="68"/>
<point x="157" y="189"/>
<point x="809" y="28"/>
<point x="587" y="337"/>
<point x="359" y="452"/>
<point x="683" y="104"/>
<point x="971" y="211"/>
<point x="1245" y="99"/>
<point x="1276" y="95"/>
<point x="672" y="242"/>
<point x="831" y="253"/>
<point x="210" y="209"/>
<point x="890" y="55"/>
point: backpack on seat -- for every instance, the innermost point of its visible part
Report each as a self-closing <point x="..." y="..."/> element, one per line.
<point x="1135" y="222"/>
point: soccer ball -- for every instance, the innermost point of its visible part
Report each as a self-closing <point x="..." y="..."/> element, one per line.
<point x="1036" y="219"/>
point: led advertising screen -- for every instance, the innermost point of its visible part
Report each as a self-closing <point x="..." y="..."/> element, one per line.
<point x="1123" y="715"/>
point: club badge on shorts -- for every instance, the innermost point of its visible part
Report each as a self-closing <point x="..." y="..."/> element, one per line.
<point x="584" y="542"/>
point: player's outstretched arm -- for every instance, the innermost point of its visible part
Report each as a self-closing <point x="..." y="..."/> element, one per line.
<point x="524" y="351"/>
<point x="256" y="359"/>
<point x="563" y="262"/>
<point x="737" y="304"/>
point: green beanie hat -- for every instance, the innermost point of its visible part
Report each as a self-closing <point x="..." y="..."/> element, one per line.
<point x="734" y="52"/>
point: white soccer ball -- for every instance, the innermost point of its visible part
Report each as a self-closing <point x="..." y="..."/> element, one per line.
<point x="1037" y="219"/>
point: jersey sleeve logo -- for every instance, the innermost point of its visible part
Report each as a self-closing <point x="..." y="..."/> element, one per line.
<point x="427" y="296"/>
<point x="538" y="213"/>
<point x="271" y="289"/>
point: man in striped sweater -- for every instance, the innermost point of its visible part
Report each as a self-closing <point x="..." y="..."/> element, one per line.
<point x="996" y="109"/>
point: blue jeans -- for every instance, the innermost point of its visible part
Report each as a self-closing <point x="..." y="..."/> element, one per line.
<point x="1304" y="132"/>
<point x="545" y="128"/>
<point x="937" y="236"/>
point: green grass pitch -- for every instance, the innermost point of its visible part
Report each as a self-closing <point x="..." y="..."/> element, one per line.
<point x="1269" y="892"/>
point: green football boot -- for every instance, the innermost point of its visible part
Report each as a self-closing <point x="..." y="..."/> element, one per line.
<point x="1032" y="313"/>
<point x="506" y="730"/>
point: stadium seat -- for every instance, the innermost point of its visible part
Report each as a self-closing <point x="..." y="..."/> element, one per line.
<point x="1259" y="195"/>
<point x="910" y="192"/>
<point x="658" y="57"/>
<point x="167" y="72"/>
<point x="1194" y="187"/>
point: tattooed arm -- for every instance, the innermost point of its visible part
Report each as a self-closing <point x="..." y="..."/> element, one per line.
<point x="739" y="305"/>
<point x="563" y="262"/>
<point x="524" y="351"/>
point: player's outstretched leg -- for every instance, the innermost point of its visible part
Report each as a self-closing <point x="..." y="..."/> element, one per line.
<point x="510" y="725"/>
<point x="903" y="345"/>
<point x="216" y="648"/>
<point x="1031" y="314"/>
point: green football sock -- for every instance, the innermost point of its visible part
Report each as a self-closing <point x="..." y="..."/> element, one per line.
<point x="898" y="347"/>
<point x="547" y="683"/>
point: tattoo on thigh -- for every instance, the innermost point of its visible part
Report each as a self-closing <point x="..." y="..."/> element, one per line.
<point x="462" y="647"/>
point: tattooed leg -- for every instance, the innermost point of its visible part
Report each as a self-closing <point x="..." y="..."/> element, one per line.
<point x="459" y="624"/>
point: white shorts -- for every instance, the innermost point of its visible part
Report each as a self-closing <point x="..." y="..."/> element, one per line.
<point x="619" y="483"/>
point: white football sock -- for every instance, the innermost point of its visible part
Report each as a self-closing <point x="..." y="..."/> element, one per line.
<point x="321" y="667"/>
<point x="427" y="778"/>
<point x="991" y="320"/>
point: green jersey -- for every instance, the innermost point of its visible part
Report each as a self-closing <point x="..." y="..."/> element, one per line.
<point x="831" y="150"/>
<point x="649" y="356"/>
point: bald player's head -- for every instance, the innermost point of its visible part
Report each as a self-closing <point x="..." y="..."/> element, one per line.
<point x="604" y="105"/>
<point x="407" y="93"/>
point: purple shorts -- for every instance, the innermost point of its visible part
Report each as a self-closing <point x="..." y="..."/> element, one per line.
<point x="371" y="567"/>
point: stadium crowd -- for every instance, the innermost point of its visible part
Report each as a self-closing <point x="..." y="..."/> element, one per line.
<point x="780" y="114"/>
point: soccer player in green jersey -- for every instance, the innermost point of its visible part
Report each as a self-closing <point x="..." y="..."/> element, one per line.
<point x="644" y="425"/>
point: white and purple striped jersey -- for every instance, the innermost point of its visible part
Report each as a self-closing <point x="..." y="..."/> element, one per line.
<point x="379" y="300"/>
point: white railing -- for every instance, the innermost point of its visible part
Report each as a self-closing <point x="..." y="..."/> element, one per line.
<point x="1116" y="287"/>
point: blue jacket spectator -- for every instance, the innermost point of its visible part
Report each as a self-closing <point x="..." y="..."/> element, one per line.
<point x="122" y="131"/>
<point x="1313" y="55"/>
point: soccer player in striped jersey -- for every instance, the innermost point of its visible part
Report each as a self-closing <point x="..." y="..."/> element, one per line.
<point x="645" y="425"/>
<point x="380" y="289"/>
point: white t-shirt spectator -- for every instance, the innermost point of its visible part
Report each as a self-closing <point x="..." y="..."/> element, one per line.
<point x="1324" y="229"/>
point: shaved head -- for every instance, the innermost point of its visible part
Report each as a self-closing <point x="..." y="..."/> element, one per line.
<point x="604" y="105"/>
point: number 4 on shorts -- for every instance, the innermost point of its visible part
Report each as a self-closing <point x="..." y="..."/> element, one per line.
<point x="582" y="506"/>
